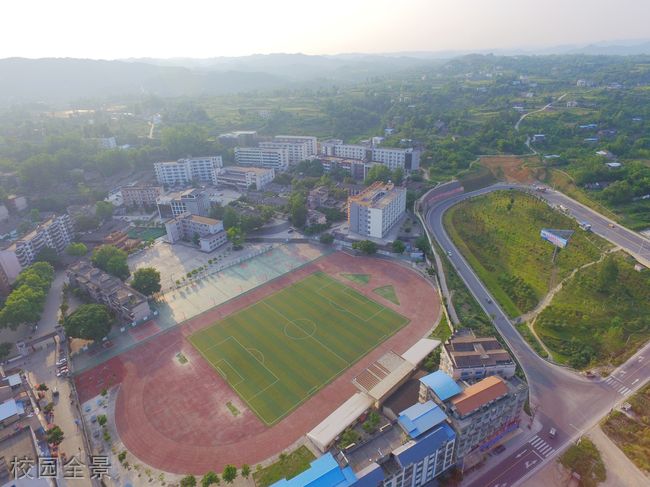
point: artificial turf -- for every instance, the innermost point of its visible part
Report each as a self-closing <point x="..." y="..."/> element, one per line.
<point x="283" y="349"/>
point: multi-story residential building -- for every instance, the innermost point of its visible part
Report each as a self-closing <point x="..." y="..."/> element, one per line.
<point x="210" y="232"/>
<point x="336" y="148"/>
<point x="406" y="159"/>
<point x="56" y="233"/>
<point x="185" y="171"/>
<point x="311" y="141"/>
<point x="482" y="413"/>
<point x="317" y="197"/>
<point x="140" y="195"/>
<point x="297" y="150"/>
<point x="245" y="177"/>
<point x="277" y="159"/>
<point x="127" y="303"/>
<point x="375" y="210"/>
<point x="469" y="358"/>
<point x="193" y="201"/>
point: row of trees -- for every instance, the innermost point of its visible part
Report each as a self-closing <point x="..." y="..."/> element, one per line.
<point x="25" y="303"/>
<point x="228" y="475"/>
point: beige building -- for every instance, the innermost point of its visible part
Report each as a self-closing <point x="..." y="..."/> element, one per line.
<point x="140" y="195"/>
<point x="210" y="232"/>
<point x="128" y="304"/>
<point x="245" y="177"/>
<point x="469" y="358"/>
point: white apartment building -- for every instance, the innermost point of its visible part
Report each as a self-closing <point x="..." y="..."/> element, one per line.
<point x="336" y="148"/>
<point x="184" y="171"/>
<point x="184" y="227"/>
<point x="276" y="158"/>
<point x="140" y="195"/>
<point x="407" y="159"/>
<point x="297" y="150"/>
<point x="375" y="210"/>
<point x="56" y="233"/>
<point x="311" y="141"/>
<point x="245" y="177"/>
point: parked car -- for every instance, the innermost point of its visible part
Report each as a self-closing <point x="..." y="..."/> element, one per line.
<point x="499" y="449"/>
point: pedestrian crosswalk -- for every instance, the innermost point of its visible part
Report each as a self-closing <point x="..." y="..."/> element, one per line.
<point x="618" y="386"/>
<point x="543" y="448"/>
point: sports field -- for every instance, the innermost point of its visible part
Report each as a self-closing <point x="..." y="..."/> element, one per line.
<point x="281" y="350"/>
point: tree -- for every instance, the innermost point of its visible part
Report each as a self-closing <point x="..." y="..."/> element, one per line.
<point x="245" y="470"/>
<point x="112" y="260"/>
<point x="146" y="280"/>
<point x="378" y="172"/>
<point x="5" y="350"/>
<point x="35" y="215"/>
<point x="209" y="479"/>
<point x="422" y="243"/>
<point x="230" y="218"/>
<point x="54" y="435"/>
<point x="102" y="419"/>
<point x="188" y="481"/>
<point x="366" y="246"/>
<point x="84" y="223"/>
<point x="236" y="237"/>
<point x="104" y="210"/>
<point x="397" y="176"/>
<point x="216" y="211"/>
<point x="298" y="209"/>
<point x="326" y="238"/>
<point x="196" y="239"/>
<point x="88" y="321"/>
<point x="76" y="249"/>
<point x="399" y="247"/>
<point x="229" y="474"/>
<point x="23" y="305"/>
<point x="49" y="255"/>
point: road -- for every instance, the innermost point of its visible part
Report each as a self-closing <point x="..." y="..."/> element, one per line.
<point x="560" y="398"/>
<point x="545" y="107"/>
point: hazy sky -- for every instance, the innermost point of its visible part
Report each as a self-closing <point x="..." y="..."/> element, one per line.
<point x="194" y="28"/>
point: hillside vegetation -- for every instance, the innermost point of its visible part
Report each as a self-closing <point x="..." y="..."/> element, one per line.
<point x="600" y="315"/>
<point x="498" y="233"/>
<point x="632" y="434"/>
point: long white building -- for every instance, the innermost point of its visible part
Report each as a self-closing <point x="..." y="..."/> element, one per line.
<point x="184" y="171"/>
<point x="245" y="177"/>
<point x="312" y="142"/>
<point x="406" y="159"/>
<point x="336" y="148"/>
<point x="271" y="158"/>
<point x="297" y="150"/>
<point x="375" y="210"/>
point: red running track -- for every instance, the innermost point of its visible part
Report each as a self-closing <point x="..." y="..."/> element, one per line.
<point x="174" y="417"/>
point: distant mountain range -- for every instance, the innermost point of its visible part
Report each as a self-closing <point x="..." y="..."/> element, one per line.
<point x="61" y="80"/>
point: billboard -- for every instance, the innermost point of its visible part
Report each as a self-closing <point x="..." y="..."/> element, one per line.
<point x="559" y="238"/>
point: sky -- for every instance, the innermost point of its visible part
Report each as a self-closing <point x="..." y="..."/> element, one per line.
<point x="204" y="28"/>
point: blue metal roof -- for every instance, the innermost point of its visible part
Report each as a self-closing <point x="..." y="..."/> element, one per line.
<point x="420" y="418"/>
<point x="441" y="384"/>
<point x="426" y="445"/>
<point x="322" y="472"/>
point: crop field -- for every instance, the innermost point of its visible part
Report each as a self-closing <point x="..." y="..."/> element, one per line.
<point x="498" y="234"/>
<point x="283" y="349"/>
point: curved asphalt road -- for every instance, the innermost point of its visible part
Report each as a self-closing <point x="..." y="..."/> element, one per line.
<point x="562" y="399"/>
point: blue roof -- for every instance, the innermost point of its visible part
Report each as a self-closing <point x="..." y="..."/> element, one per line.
<point x="426" y="445"/>
<point x="420" y="418"/>
<point x="322" y="472"/>
<point x="10" y="408"/>
<point x="441" y="384"/>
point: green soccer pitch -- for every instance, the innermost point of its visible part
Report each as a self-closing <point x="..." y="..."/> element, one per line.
<point x="283" y="349"/>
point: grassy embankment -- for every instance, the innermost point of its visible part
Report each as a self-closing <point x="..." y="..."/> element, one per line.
<point x="632" y="433"/>
<point x="600" y="316"/>
<point x="499" y="236"/>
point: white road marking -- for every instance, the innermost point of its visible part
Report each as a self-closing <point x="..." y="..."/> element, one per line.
<point x="530" y="463"/>
<point x="635" y="381"/>
<point x="537" y="442"/>
<point x="546" y="449"/>
<point x="621" y="389"/>
<point x="520" y="454"/>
